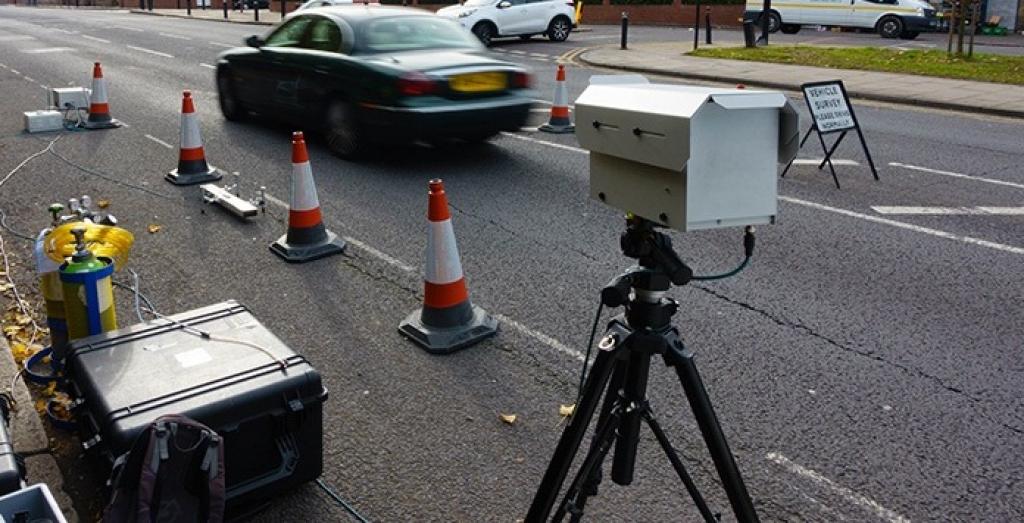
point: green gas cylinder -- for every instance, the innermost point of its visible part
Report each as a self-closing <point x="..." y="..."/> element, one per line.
<point x="88" y="291"/>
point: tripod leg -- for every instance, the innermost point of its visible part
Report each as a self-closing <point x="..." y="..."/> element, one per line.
<point x="634" y="397"/>
<point x="677" y="464"/>
<point x="575" y="498"/>
<point x="682" y="359"/>
<point x="569" y="443"/>
<point x="593" y="480"/>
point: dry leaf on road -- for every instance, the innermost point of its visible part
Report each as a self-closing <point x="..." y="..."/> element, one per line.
<point x="507" y="418"/>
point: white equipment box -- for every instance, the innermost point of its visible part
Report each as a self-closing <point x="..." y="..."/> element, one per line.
<point x="686" y="157"/>
<point x="43" y="121"/>
<point x="77" y="97"/>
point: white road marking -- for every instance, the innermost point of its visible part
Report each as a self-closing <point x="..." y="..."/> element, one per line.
<point x="150" y="51"/>
<point x="16" y="38"/>
<point x="15" y="71"/>
<point x="847" y="494"/>
<point x="29" y="78"/>
<point x="817" y="161"/>
<point x="408" y="269"/>
<point x="547" y="143"/>
<point x="516" y="52"/>
<point x="208" y="66"/>
<point x="594" y="37"/>
<point x="540" y="336"/>
<point x="949" y="211"/>
<point x="956" y="175"/>
<point x="47" y="50"/>
<point x="129" y="28"/>
<point x="540" y="55"/>
<point x="96" y="39"/>
<point x="65" y="31"/>
<point x="176" y="37"/>
<point x="219" y="44"/>
<point x="910" y="227"/>
<point x="3" y="66"/>
<point x="159" y="141"/>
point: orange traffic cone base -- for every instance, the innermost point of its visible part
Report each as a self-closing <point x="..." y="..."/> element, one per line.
<point x="445" y="340"/>
<point x="294" y="253"/>
<point x="211" y="174"/>
<point x="558" y="129"/>
<point x="109" y="124"/>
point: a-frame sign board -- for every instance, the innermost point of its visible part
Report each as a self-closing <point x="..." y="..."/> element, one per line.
<point x="831" y="112"/>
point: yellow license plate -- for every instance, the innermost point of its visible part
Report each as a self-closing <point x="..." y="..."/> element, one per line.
<point x="478" y="82"/>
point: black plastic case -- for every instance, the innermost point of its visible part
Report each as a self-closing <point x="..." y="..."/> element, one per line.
<point x="270" y="418"/>
<point x="12" y="468"/>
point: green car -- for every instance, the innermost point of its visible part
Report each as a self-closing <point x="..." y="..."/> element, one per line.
<point x="370" y="74"/>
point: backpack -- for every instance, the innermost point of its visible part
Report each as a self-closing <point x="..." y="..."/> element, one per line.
<point x="174" y="472"/>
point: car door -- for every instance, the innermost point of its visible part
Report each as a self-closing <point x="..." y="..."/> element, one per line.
<point x="513" y="19"/>
<point x="866" y="12"/>
<point x="279" y="83"/>
<point x="826" y="12"/>
<point x="319" y="67"/>
<point x="541" y="13"/>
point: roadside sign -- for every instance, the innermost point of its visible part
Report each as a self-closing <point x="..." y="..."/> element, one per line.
<point x="831" y="112"/>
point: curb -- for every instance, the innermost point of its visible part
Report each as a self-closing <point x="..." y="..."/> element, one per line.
<point x="28" y="434"/>
<point x="202" y="18"/>
<point x="952" y="106"/>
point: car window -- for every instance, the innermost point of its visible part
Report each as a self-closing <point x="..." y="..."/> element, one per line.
<point x="289" y="34"/>
<point x="405" y="33"/>
<point x="323" y="36"/>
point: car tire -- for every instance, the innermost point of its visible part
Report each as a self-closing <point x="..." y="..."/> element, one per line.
<point x="484" y="32"/>
<point x="344" y="134"/>
<point x="230" y="106"/>
<point x="559" y="29"/>
<point x="774" y="22"/>
<point x="790" y="29"/>
<point x="890" y="27"/>
<point x="909" y="35"/>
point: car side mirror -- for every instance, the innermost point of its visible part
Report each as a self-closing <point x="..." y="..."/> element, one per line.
<point x="254" y="41"/>
<point x="504" y="5"/>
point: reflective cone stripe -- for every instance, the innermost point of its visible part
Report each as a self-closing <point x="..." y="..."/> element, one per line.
<point x="305" y="223"/>
<point x="560" y="105"/>
<point x="99" y="108"/>
<point x="444" y="283"/>
<point x="191" y="157"/>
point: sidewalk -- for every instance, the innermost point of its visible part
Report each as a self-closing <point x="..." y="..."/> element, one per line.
<point x="267" y="17"/>
<point x="668" y="59"/>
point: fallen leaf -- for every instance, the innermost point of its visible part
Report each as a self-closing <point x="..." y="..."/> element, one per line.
<point x="153" y="228"/>
<point x="50" y="390"/>
<point x="6" y="286"/>
<point x="12" y="330"/>
<point x="23" y="319"/>
<point x="103" y="204"/>
<point x="566" y="410"/>
<point x="40" y="406"/>
<point x="507" y="418"/>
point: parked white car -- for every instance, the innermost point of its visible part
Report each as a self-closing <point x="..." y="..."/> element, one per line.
<point x="891" y="18"/>
<point x="523" y="18"/>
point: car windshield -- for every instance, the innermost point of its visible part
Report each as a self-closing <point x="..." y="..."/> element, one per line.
<point x="406" y="33"/>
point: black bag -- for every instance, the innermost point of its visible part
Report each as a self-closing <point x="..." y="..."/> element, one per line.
<point x="174" y="472"/>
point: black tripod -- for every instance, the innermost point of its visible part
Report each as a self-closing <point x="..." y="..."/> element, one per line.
<point x="620" y="374"/>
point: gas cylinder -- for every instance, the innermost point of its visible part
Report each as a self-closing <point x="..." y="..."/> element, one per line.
<point x="53" y="294"/>
<point x="88" y="291"/>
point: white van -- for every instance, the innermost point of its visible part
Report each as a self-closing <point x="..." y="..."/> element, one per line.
<point x="891" y="18"/>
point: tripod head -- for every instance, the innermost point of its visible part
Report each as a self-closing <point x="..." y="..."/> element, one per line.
<point x="659" y="266"/>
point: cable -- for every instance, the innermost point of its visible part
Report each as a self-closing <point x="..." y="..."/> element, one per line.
<point x="17" y="295"/>
<point x="13" y="231"/>
<point x="111" y="179"/>
<point x="48" y="148"/>
<point x="323" y="485"/>
<point x="586" y="359"/>
<point x="748" y="251"/>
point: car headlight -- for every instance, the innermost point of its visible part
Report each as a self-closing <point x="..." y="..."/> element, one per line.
<point x="467" y="13"/>
<point x="920" y="11"/>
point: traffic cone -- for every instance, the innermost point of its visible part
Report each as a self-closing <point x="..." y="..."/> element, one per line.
<point x="559" y="122"/>
<point x="192" y="166"/>
<point x="307" y="239"/>
<point x="447" y="321"/>
<point x="99" y="107"/>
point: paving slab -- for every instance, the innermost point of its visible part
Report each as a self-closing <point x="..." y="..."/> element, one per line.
<point x="43" y="468"/>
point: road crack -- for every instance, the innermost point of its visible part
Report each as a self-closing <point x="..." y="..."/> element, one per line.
<point x="519" y="235"/>
<point x="912" y="371"/>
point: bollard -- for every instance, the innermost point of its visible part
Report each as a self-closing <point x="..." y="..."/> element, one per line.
<point x="625" y="30"/>
<point x="707" y="25"/>
<point x="256" y="10"/>
<point x="696" y="24"/>
<point x="188" y="7"/>
<point x="224" y="4"/>
<point x="283" y="9"/>
<point x="748" y="33"/>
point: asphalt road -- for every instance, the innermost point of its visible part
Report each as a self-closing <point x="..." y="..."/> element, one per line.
<point x="865" y="367"/>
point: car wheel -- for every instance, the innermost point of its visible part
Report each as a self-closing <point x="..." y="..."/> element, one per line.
<point x="484" y="31"/>
<point x="774" y="22"/>
<point x="890" y="27"/>
<point x="344" y="136"/>
<point x="790" y="29"/>
<point x="230" y="106"/>
<point x="909" y="35"/>
<point x="559" y="29"/>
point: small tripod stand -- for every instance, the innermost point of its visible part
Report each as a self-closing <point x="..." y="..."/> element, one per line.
<point x="620" y="374"/>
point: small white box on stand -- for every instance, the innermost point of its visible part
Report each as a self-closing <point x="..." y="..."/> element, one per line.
<point x="43" y="121"/>
<point x="75" y="97"/>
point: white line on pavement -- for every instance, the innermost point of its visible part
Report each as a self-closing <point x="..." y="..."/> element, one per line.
<point x="96" y="39"/>
<point x="208" y="66"/>
<point x="949" y="211"/>
<point x="956" y="175"/>
<point x="540" y="336"/>
<point x="65" y="31"/>
<point x="176" y="37"/>
<point x="219" y="44"/>
<point x="150" y="51"/>
<point x="517" y="52"/>
<point x="47" y="50"/>
<point x="817" y="161"/>
<point x="540" y="55"/>
<point x="15" y="71"/>
<point x="544" y="142"/>
<point x="29" y="78"/>
<point x="16" y="38"/>
<point x="159" y="141"/>
<point x="129" y="28"/>
<point x="910" y="227"/>
<point x="847" y="494"/>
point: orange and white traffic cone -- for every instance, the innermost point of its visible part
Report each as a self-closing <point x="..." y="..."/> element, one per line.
<point x="559" y="122"/>
<point x="447" y="321"/>
<point x="99" y="106"/>
<point x="192" y="166"/>
<point x="307" y="239"/>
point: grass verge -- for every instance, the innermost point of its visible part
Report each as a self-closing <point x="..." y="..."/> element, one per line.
<point x="981" y="67"/>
